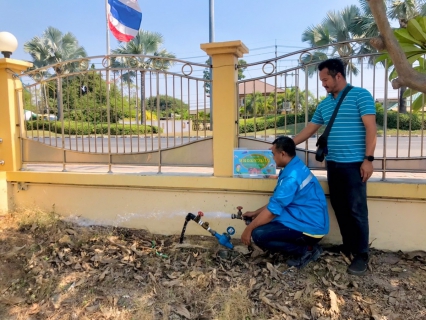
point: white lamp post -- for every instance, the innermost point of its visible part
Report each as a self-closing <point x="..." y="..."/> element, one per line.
<point x="8" y="43"/>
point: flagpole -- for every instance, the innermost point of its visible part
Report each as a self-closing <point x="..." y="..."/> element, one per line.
<point x="107" y="28"/>
<point x="108" y="52"/>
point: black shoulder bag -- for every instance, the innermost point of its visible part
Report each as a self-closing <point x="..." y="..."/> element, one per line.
<point x="322" y="150"/>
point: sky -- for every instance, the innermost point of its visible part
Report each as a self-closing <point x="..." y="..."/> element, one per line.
<point x="262" y="26"/>
<point x="184" y="24"/>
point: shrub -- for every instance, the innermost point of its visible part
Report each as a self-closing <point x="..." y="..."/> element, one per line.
<point x="97" y="115"/>
<point x="86" y="128"/>
<point x="404" y="120"/>
<point x="262" y="123"/>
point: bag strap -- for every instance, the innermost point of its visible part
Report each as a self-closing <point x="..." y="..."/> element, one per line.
<point x="330" y="123"/>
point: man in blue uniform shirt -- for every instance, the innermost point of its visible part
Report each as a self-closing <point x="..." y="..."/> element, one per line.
<point x="351" y="145"/>
<point x="296" y="217"/>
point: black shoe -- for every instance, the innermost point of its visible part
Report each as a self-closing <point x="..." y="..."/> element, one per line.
<point x="338" y="249"/>
<point x="359" y="264"/>
<point x="309" y="256"/>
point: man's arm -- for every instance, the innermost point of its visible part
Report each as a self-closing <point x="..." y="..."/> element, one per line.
<point x="369" y="121"/>
<point x="264" y="217"/>
<point x="306" y="133"/>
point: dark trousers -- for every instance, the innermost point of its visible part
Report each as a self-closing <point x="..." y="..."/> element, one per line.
<point x="348" y="197"/>
<point x="275" y="237"/>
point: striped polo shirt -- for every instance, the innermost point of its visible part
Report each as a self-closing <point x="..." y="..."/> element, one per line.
<point x="346" y="142"/>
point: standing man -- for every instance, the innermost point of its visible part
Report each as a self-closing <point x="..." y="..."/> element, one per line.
<point x="296" y="217"/>
<point x="351" y="145"/>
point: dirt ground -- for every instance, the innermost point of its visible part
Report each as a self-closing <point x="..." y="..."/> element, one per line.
<point x="51" y="269"/>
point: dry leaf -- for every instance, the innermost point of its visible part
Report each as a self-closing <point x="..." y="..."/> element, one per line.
<point x="103" y="274"/>
<point x="138" y="277"/>
<point x="169" y="284"/>
<point x="66" y="240"/>
<point x="11" y="300"/>
<point x="326" y="283"/>
<point x="182" y="311"/>
<point x="298" y="294"/>
<point x="418" y="253"/>
<point x="93" y="308"/>
<point x="340" y="286"/>
<point x="374" y="313"/>
<point x="13" y="252"/>
<point x="334" y="307"/>
<point x="71" y="231"/>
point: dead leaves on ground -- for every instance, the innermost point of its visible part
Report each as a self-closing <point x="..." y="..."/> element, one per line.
<point x="130" y="273"/>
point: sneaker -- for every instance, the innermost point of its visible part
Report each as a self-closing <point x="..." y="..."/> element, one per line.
<point x="309" y="256"/>
<point x="359" y="264"/>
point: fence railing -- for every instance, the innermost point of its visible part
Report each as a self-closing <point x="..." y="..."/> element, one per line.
<point x="282" y="96"/>
<point x="117" y="109"/>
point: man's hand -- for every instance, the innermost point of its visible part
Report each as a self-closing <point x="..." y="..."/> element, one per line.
<point x="246" y="236"/>
<point x="250" y="214"/>
<point x="366" y="170"/>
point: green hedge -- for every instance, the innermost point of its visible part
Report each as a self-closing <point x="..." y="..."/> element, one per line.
<point x="85" y="128"/>
<point x="404" y="120"/>
<point x="249" y="125"/>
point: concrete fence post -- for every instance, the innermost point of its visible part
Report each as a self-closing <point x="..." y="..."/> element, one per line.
<point x="10" y="148"/>
<point x="225" y="102"/>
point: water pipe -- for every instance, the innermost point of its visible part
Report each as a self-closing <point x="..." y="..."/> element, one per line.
<point x="223" y="239"/>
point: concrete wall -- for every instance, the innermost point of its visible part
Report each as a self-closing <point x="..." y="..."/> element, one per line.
<point x="160" y="203"/>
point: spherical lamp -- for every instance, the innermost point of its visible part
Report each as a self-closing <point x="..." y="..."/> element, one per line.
<point x="8" y="43"/>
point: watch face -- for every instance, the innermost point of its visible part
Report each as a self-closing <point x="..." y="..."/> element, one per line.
<point x="369" y="158"/>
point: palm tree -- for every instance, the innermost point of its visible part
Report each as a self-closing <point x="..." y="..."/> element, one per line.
<point x="337" y="27"/>
<point x="52" y="48"/>
<point x="144" y="43"/>
<point x="403" y="11"/>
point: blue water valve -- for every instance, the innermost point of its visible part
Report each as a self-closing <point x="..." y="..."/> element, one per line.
<point x="224" y="240"/>
<point x="230" y="231"/>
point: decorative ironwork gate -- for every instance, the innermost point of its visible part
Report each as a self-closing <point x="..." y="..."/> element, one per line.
<point x="117" y="109"/>
<point x="284" y="95"/>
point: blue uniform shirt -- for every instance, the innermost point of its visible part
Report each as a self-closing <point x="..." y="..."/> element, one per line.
<point x="298" y="201"/>
<point x="346" y="142"/>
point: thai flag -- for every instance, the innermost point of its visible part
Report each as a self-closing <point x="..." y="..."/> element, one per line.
<point x="124" y="18"/>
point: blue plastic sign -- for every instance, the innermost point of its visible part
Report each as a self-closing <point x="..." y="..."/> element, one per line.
<point x="253" y="163"/>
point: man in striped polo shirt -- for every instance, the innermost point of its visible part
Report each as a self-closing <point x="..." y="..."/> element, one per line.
<point x="351" y="145"/>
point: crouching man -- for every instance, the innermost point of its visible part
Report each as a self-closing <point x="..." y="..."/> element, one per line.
<point x="296" y="217"/>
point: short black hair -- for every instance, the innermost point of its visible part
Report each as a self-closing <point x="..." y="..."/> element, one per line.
<point x="286" y="144"/>
<point x="334" y="66"/>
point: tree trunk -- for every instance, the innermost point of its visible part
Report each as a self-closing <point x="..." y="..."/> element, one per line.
<point x="402" y="103"/>
<point x="143" y="104"/>
<point x="407" y="76"/>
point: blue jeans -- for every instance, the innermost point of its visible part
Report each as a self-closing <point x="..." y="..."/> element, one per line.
<point x="276" y="237"/>
<point x="348" y="197"/>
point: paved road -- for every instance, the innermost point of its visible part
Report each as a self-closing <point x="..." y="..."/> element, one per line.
<point x="401" y="147"/>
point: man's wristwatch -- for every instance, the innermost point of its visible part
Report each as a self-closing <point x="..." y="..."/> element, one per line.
<point x="369" y="158"/>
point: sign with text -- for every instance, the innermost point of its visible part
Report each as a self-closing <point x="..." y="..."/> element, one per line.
<point x="253" y="163"/>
